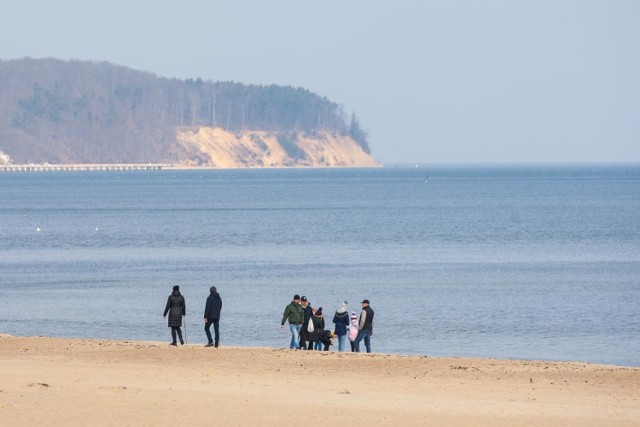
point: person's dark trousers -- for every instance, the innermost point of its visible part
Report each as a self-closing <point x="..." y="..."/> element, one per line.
<point x="327" y="344"/>
<point x="303" y="338"/>
<point x="311" y="345"/>
<point x="353" y="346"/>
<point x="175" y="330"/>
<point x="363" y="334"/>
<point x="216" y="330"/>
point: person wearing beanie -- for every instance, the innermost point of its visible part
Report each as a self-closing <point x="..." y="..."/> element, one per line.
<point x="177" y="309"/>
<point x="353" y="330"/>
<point x="294" y="314"/>
<point x="212" y="316"/>
<point x="318" y="327"/>
<point x="318" y="345"/>
<point x="341" y="320"/>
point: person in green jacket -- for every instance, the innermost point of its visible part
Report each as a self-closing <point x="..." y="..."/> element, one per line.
<point x="295" y="315"/>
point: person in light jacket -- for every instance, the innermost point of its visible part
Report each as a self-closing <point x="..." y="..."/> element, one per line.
<point x="212" y="316"/>
<point x="177" y="309"/>
<point x="353" y="330"/>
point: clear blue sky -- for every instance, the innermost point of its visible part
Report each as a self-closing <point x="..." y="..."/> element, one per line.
<point x="433" y="81"/>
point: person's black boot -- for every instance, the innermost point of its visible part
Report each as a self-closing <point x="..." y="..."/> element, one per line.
<point x="174" y="343"/>
<point x="216" y="345"/>
<point x="209" y="344"/>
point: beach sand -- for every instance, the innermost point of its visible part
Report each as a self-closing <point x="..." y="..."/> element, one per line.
<point x="53" y="381"/>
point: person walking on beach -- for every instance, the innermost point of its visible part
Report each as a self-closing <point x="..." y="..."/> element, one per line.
<point x="212" y="316"/>
<point x="341" y="320"/>
<point x="308" y="312"/>
<point x="294" y="314"/>
<point x="177" y="309"/>
<point x="365" y="327"/>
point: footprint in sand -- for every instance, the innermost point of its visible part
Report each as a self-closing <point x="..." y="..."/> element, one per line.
<point x="41" y="385"/>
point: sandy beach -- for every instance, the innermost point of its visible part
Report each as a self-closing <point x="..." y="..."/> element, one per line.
<point x="54" y="381"/>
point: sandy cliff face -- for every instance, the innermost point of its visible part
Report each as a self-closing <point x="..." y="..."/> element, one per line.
<point x="215" y="147"/>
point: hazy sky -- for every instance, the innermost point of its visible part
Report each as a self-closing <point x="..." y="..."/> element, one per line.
<point x="432" y="81"/>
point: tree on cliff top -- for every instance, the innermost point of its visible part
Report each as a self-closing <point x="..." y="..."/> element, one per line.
<point x="52" y="110"/>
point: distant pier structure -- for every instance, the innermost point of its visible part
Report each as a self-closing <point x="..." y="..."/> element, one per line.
<point x="85" y="167"/>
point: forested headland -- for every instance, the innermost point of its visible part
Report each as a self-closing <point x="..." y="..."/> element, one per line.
<point x="95" y="112"/>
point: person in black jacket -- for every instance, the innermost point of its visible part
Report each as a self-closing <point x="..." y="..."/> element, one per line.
<point x="365" y="330"/>
<point x="212" y="316"/>
<point x="308" y="312"/>
<point x="318" y="326"/>
<point x="326" y="339"/>
<point x="176" y="308"/>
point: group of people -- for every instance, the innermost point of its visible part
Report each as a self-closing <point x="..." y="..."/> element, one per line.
<point x="307" y="324"/>
<point x="177" y="309"/>
<point x="309" y="331"/>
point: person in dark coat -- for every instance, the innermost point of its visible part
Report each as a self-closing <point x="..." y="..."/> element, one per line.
<point x="318" y="327"/>
<point x="341" y="319"/>
<point x="176" y="308"/>
<point x="326" y="339"/>
<point x="308" y="312"/>
<point x="212" y="316"/>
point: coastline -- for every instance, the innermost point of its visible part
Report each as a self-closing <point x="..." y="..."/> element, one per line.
<point x="104" y="382"/>
<point x="143" y="167"/>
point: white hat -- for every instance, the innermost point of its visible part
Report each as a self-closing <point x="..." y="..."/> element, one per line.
<point x="343" y="307"/>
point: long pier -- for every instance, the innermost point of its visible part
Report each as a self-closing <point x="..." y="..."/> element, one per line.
<point x="85" y="167"/>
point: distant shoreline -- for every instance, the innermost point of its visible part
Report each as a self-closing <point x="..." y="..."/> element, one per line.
<point x="98" y="167"/>
<point x="84" y="167"/>
<point x="110" y="167"/>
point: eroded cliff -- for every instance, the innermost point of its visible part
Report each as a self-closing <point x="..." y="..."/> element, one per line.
<point x="216" y="147"/>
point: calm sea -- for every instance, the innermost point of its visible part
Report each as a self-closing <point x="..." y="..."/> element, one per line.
<point x="506" y="262"/>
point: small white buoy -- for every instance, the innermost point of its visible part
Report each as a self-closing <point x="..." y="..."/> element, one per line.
<point x="37" y="228"/>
